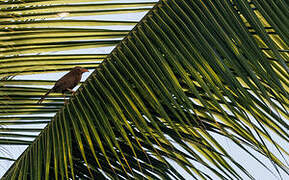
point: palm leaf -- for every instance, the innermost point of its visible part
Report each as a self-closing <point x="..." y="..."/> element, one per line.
<point x="188" y="71"/>
<point x="40" y="37"/>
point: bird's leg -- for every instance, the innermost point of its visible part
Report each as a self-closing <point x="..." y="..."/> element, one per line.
<point x="65" y="101"/>
<point x="70" y="90"/>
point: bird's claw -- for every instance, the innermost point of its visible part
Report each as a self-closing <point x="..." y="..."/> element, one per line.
<point x="70" y="90"/>
<point x="65" y="101"/>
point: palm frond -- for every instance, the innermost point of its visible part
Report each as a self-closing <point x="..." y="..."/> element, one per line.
<point x="188" y="71"/>
<point x="41" y="39"/>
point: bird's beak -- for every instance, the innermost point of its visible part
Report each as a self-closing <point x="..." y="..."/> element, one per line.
<point x="84" y="70"/>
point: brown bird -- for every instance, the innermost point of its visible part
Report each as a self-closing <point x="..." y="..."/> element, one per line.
<point x="67" y="82"/>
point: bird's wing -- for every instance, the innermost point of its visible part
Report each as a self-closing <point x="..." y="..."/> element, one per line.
<point x="64" y="82"/>
<point x="69" y="80"/>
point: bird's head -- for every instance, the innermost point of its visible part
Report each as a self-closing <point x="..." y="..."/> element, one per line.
<point x="79" y="69"/>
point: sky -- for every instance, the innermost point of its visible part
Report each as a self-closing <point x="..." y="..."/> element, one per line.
<point x="259" y="172"/>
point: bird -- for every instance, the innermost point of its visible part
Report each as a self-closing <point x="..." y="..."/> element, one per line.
<point x="66" y="83"/>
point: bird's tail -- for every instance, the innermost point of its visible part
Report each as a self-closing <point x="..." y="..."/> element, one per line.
<point x="43" y="97"/>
